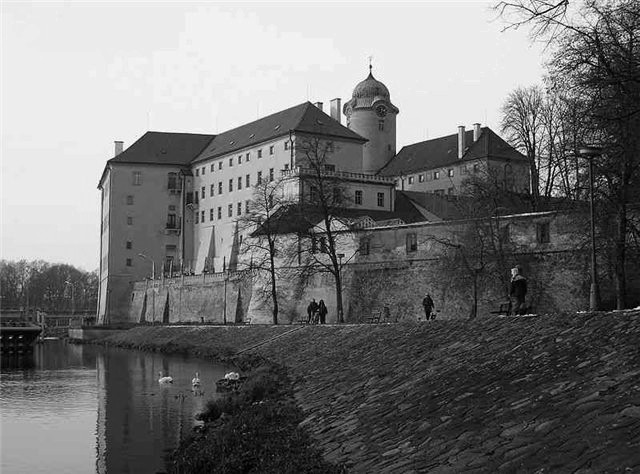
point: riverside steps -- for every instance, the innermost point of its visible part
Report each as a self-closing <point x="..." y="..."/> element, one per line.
<point x="554" y="393"/>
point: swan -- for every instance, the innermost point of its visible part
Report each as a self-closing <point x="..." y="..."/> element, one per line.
<point x="163" y="380"/>
<point x="196" y="380"/>
<point x="232" y="376"/>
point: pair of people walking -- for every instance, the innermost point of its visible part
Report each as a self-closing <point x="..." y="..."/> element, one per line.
<point x="317" y="312"/>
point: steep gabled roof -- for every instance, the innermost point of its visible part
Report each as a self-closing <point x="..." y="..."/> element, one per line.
<point x="443" y="151"/>
<point x="305" y="118"/>
<point x="165" y="148"/>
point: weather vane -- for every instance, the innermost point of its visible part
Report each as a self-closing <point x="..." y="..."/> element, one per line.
<point x="370" y="66"/>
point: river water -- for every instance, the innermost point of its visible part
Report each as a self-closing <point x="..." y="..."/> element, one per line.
<point x="83" y="408"/>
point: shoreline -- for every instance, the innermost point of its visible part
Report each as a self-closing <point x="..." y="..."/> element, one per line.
<point x="557" y="393"/>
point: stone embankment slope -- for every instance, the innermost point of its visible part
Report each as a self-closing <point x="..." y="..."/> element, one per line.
<point x="543" y="394"/>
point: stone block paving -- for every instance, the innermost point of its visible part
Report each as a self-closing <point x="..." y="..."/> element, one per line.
<point x="541" y="395"/>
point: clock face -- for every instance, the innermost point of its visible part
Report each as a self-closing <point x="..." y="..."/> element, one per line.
<point x="381" y="110"/>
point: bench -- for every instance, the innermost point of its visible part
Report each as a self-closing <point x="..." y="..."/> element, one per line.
<point x="381" y="315"/>
<point x="505" y="309"/>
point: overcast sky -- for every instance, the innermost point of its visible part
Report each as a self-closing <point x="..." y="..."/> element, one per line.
<point x="77" y="76"/>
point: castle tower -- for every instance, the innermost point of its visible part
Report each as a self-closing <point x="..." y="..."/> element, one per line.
<point x="371" y="114"/>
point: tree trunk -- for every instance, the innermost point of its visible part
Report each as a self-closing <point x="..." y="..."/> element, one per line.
<point x="274" y="293"/>
<point x="339" y="309"/>
<point x="620" y="257"/>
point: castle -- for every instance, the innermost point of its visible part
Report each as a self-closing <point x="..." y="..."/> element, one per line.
<point x="170" y="202"/>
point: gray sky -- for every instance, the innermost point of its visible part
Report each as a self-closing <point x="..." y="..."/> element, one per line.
<point x="77" y="76"/>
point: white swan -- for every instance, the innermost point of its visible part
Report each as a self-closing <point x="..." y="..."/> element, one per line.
<point x="196" y="380"/>
<point x="232" y="376"/>
<point x="163" y="379"/>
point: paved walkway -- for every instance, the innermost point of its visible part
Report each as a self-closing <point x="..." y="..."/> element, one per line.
<point x="547" y="394"/>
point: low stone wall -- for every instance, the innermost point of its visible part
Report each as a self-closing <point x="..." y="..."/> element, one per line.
<point x="91" y="334"/>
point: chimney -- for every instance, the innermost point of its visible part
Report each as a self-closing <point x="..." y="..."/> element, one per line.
<point x="319" y="105"/>
<point x="476" y="132"/>
<point x="118" y="147"/>
<point x="461" y="144"/>
<point x="336" y="113"/>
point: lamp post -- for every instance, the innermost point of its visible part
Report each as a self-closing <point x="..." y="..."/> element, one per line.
<point x="341" y="315"/>
<point x="591" y="152"/>
<point x="73" y="300"/>
<point x="153" y="292"/>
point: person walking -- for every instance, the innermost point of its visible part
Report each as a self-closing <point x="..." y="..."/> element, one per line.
<point x="518" y="290"/>
<point x="322" y="311"/>
<point x="427" y="304"/>
<point x="311" y="311"/>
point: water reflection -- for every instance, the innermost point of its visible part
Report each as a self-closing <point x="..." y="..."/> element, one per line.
<point x="88" y="408"/>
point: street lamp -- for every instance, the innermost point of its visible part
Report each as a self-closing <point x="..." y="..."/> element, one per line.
<point x="73" y="301"/>
<point x="153" y="265"/>
<point x="591" y="152"/>
<point x="341" y="315"/>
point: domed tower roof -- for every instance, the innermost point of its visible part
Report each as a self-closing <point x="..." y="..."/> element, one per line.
<point x="368" y="92"/>
<point x="370" y="88"/>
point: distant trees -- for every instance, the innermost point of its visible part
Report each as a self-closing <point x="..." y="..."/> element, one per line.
<point x="595" y="63"/>
<point x="49" y="287"/>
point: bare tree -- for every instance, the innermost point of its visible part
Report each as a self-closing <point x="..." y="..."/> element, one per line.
<point x="324" y="198"/>
<point x="263" y="222"/>
<point x="596" y="59"/>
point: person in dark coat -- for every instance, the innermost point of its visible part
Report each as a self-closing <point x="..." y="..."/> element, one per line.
<point x="322" y="311"/>
<point x="518" y="290"/>
<point x="427" y="304"/>
<point x="311" y="311"/>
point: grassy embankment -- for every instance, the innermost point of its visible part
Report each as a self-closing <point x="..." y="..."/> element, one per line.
<point x="547" y="394"/>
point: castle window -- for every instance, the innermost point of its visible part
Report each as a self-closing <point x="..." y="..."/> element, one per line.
<point x="381" y="125"/>
<point x="220" y="164"/>
<point x="172" y="181"/>
<point x="137" y="178"/>
<point x="247" y="181"/>
<point x="323" y="244"/>
<point x="230" y="162"/>
<point x="271" y="150"/>
<point x="203" y="192"/>
<point x="421" y="178"/>
<point x="358" y="196"/>
<point x="231" y="185"/>
<point x="212" y="167"/>
<point x="542" y="233"/>
<point x="246" y="157"/>
<point x="169" y="248"/>
<point x="410" y="179"/>
<point x="203" y="169"/>
<point x="230" y="210"/>
<point x="202" y="216"/>
<point x="129" y="262"/>
<point x="436" y="175"/>
<point x="365" y="245"/>
<point x="411" y="242"/>
<point x="286" y="145"/>
<point x="197" y="218"/>
<point x="270" y="174"/>
<point x="219" y="212"/>
<point x="450" y="172"/>
<point x="171" y="221"/>
<point x="129" y="220"/>
<point x="239" y="182"/>
<point x="246" y="206"/>
<point x="239" y="159"/>
<point x="219" y="187"/>
<point x="129" y="200"/>
<point x="211" y="214"/>
<point x="197" y="171"/>
<point x="380" y="199"/>
<point x="260" y="153"/>
<point x="286" y="166"/>
<point x="212" y="189"/>
<point x="259" y="177"/>
<point x="129" y="245"/>
<point x="239" y="208"/>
